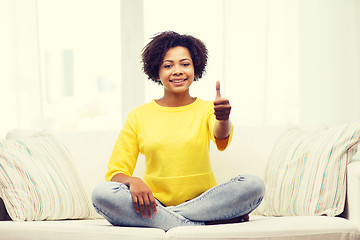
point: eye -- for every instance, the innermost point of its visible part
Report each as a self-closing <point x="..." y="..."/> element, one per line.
<point x="186" y="64"/>
<point x="167" y="66"/>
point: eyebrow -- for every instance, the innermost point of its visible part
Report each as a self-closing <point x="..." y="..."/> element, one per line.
<point x="184" y="59"/>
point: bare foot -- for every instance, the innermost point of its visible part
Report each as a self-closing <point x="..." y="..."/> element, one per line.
<point x="243" y="218"/>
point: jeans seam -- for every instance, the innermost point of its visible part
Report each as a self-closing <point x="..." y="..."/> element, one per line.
<point x="103" y="213"/>
<point x="251" y="207"/>
<point x="174" y="216"/>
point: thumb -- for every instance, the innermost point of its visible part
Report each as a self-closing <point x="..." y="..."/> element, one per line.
<point x="218" y="94"/>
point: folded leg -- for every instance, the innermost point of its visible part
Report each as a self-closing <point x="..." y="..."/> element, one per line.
<point x="228" y="201"/>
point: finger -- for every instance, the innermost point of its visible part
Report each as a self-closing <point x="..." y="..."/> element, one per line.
<point x="222" y="107"/>
<point x="222" y="117"/>
<point x="147" y="207"/>
<point x="221" y="101"/>
<point x="153" y="204"/>
<point x="142" y="207"/>
<point x="222" y="113"/>
<point x="136" y="203"/>
<point x="218" y="94"/>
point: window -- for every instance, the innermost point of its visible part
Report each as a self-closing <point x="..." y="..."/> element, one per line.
<point x="80" y="44"/>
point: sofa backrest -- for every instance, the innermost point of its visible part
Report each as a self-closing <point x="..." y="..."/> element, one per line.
<point x="91" y="151"/>
<point x="247" y="154"/>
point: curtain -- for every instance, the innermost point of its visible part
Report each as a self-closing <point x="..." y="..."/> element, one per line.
<point x="329" y="55"/>
<point x="20" y="91"/>
<point x="291" y="61"/>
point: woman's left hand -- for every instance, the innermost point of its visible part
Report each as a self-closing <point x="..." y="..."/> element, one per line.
<point x="222" y="105"/>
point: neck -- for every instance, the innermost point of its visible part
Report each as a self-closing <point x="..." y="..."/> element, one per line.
<point x="175" y="100"/>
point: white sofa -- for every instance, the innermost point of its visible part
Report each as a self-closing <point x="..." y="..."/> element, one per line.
<point x="248" y="153"/>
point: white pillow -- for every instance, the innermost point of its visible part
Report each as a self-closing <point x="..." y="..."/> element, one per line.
<point x="306" y="173"/>
<point x="38" y="180"/>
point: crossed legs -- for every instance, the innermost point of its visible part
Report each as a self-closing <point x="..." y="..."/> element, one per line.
<point x="227" y="202"/>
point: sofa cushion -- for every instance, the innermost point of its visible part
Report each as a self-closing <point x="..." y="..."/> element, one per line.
<point x="38" y="180"/>
<point x="306" y="173"/>
<point x="274" y="228"/>
<point x="98" y="229"/>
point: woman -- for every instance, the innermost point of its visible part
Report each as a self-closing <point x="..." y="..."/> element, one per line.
<point x="174" y="133"/>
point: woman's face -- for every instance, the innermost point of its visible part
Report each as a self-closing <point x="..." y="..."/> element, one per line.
<point x="177" y="70"/>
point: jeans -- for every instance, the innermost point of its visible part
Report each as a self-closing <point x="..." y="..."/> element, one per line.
<point x="237" y="197"/>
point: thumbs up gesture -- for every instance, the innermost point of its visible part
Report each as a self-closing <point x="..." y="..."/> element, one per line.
<point x="222" y="105"/>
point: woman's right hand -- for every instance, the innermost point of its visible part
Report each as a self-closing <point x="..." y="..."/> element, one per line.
<point x="142" y="197"/>
<point x="144" y="201"/>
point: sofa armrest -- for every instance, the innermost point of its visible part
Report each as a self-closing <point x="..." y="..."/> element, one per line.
<point x="353" y="192"/>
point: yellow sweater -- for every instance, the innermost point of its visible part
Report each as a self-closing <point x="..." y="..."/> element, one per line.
<point x="176" y="144"/>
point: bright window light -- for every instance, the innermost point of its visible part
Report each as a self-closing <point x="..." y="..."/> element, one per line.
<point x="80" y="63"/>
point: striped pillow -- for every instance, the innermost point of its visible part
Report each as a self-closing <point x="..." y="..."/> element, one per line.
<point x="38" y="180"/>
<point x="306" y="172"/>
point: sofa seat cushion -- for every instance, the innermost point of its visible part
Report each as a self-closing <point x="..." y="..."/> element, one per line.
<point x="274" y="228"/>
<point x="75" y="230"/>
<point x="259" y="227"/>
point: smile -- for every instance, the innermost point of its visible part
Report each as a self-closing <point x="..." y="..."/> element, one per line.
<point x="178" y="80"/>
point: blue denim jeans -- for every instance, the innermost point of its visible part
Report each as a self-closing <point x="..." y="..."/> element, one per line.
<point x="237" y="197"/>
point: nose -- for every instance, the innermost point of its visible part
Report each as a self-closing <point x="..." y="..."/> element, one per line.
<point x="177" y="71"/>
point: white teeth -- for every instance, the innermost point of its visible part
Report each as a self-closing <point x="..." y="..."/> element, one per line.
<point x="177" y="81"/>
